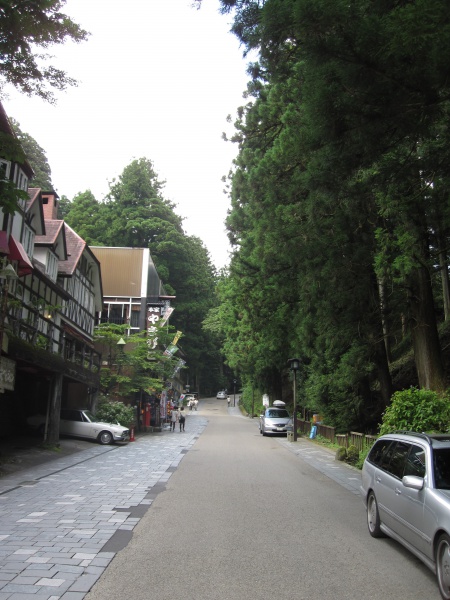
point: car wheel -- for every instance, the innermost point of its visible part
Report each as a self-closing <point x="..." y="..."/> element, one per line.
<point x="373" y="517"/>
<point x="105" y="438"/>
<point x="443" y="565"/>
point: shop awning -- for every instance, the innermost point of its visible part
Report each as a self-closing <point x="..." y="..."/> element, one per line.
<point x="17" y="252"/>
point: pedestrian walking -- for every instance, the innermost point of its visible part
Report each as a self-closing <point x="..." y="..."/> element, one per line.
<point x="181" y="418"/>
<point x="173" y="419"/>
<point x="195" y="403"/>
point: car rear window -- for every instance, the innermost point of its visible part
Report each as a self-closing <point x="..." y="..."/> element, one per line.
<point x="441" y="464"/>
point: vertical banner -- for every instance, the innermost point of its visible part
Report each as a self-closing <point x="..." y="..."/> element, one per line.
<point x="153" y="318"/>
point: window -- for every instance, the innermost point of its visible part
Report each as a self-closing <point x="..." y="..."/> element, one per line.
<point x="28" y="240"/>
<point x="5" y="167"/>
<point x="277" y="414"/>
<point x="415" y="463"/>
<point x="22" y="180"/>
<point x="441" y="462"/>
<point x="134" y="321"/>
<point x="71" y="415"/>
<point x="378" y="451"/>
<point x="52" y="266"/>
<point x="398" y="459"/>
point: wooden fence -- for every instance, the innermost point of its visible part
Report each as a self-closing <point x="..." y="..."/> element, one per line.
<point x="360" y="440"/>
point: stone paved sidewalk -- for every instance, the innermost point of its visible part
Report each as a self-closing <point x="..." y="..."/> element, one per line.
<point x="57" y="519"/>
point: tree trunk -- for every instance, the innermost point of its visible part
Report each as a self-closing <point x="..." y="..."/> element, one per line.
<point x="425" y="338"/>
<point x="384" y="374"/>
<point x="384" y="320"/>
<point x="445" y="283"/>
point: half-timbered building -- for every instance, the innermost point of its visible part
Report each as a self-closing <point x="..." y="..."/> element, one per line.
<point x="51" y="292"/>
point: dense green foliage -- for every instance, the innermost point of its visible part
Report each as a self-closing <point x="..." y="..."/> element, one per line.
<point x="36" y="157"/>
<point x="134" y="369"/>
<point x="339" y="213"/>
<point x="135" y="214"/>
<point x="26" y="28"/>
<point x="10" y="195"/>
<point x="115" y="412"/>
<point x="417" y="410"/>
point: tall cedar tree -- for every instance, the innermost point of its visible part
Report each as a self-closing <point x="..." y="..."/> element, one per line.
<point x="346" y="177"/>
<point x="37" y="158"/>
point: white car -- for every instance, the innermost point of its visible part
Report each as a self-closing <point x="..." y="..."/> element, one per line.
<point x="222" y="395"/>
<point x="80" y="422"/>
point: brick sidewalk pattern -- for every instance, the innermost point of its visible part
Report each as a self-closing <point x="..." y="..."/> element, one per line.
<point x="56" y="519"/>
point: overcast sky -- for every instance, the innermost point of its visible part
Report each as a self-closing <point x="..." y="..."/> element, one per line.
<point x="157" y="79"/>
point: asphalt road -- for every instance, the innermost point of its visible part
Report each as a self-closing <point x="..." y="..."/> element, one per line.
<point x="243" y="517"/>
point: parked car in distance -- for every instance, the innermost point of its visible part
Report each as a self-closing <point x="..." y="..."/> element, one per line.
<point x="80" y="422"/>
<point x="274" y="419"/>
<point x="222" y="395"/>
<point x="406" y="490"/>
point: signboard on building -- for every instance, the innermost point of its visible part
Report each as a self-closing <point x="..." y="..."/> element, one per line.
<point x="157" y="315"/>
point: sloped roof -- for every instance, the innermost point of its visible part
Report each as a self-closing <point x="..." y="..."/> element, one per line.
<point x="33" y="205"/>
<point x="5" y="125"/>
<point x="124" y="273"/>
<point x="55" y="234"/>
<point x="75" y="246"/>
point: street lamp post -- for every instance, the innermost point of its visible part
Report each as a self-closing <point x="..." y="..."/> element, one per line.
<point x="234" y="392"/>
<point x="294" y="365"/>
<point x="120" y="344"/>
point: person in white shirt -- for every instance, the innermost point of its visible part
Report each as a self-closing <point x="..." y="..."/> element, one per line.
<point x="173" y="419"/>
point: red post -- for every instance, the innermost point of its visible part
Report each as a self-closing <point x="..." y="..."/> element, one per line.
<point x="132" y="438"/>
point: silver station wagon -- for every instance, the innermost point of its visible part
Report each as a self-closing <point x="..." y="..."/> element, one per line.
<point x="406" y="490"/>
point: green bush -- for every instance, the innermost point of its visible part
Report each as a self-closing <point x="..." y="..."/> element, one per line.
<point x="352" y="455"/>
<point x="112" y="412"/>
<point x="362" y="456"/>
<point x="341" y="454"/>
<point x="417" y="410"/>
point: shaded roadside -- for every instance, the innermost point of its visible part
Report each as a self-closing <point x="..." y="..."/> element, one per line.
<point x="23" y="452"/>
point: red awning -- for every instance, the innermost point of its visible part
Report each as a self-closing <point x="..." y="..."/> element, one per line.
<point x="17" y="252"/>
